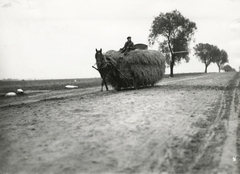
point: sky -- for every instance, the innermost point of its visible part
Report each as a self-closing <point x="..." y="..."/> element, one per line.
<point x="56" y="39"/>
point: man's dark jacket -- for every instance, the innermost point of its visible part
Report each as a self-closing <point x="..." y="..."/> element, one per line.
<point x="129" y="45"/>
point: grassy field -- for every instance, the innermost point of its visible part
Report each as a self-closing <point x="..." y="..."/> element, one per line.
<point x="59" y="84"/>
<point x="56" y="84"/>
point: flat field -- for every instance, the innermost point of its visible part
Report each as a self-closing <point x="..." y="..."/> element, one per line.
<point x="55" y="84"/>
<point x="186" y="124"/>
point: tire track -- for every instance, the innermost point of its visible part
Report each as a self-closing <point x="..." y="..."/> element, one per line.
<point x="216" y="156"/>
<point x="171" y="156"/>
<point x="227" y="162"/>
<point x="202" y="153"/>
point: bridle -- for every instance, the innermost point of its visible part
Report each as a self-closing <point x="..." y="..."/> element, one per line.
<point x="101" y="61"/>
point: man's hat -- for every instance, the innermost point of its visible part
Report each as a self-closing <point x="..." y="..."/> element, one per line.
<point x="129" y="37"/>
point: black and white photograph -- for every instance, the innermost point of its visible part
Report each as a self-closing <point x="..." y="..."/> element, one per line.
<point x="119" y="86"/>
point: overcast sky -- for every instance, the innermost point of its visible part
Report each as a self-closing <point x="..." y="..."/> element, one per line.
<point x="49" y="39"/>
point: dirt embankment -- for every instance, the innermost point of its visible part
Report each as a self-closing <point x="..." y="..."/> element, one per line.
<point x="182" y="125"/>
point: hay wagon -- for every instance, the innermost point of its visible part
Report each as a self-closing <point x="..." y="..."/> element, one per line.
<point x="138" y="68"/>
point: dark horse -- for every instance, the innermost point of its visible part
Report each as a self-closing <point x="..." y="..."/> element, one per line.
<point x="105" y="66"/>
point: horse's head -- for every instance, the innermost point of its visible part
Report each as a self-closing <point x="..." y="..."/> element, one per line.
<point x="98" y="53"/>
<point x="100" y="59"/>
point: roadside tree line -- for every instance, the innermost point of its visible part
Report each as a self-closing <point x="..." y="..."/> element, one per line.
<point x="208" y="54"/>
<point x="174" y="32"/>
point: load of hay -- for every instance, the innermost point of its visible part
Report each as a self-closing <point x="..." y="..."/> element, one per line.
<point x="138" y="68"/>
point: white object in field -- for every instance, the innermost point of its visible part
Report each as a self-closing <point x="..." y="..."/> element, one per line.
<point x="10" y="94"/>
<point x="19" y="91"/>
<point x="71" y="86"/>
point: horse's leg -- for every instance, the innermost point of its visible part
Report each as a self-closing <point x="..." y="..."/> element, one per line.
<point x="102" y="85"/>
<point x="105" y="83"/>
<point x="106" y="86"/>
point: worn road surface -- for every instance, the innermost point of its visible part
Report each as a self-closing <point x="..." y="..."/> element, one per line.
<point x="181" y="125"/>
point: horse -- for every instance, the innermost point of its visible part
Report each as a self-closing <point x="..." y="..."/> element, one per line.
<point x="104" y="66"/>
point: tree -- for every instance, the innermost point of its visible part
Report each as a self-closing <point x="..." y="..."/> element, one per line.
<point x="222" y="59"/>
<point x="207" y="53"/>
<point x="176" y="32"/>
<point x="228" y="68"/>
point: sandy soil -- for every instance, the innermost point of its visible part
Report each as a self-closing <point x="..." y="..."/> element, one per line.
<point x="182" y="125"/>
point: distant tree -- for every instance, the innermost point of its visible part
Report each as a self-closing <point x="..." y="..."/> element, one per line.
<point x="228" y="68"/>
<point x="176" y="32"/>
<point x="207" y="53"/>
<point x="222" y="59"/>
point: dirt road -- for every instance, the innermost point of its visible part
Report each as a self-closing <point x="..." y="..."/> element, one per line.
<point x="182" y="125"/>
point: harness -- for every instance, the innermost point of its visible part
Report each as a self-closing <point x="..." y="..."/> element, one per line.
<point x="106" y="63"/>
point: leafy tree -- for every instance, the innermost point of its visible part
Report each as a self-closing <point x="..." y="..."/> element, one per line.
<point x="222" y="59"/>
<point x="176" y="32"/>
<point x="228" y="68"/>
<point x="207" y="53"/>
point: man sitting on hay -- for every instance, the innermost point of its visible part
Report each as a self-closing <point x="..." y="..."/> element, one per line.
<point x="128" y="46"/>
